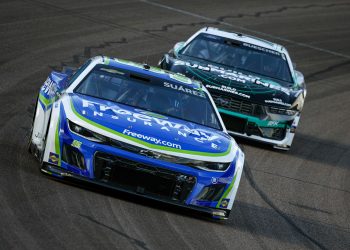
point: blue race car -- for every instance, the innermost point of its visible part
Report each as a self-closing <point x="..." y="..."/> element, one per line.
<point x="138" y="129"/>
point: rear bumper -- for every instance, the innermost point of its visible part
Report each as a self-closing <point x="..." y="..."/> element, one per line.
<point x="61" y="173"/>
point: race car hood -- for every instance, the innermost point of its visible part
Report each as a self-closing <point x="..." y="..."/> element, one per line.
<point x="149" y="130"/>
<point x="241" y="84"/>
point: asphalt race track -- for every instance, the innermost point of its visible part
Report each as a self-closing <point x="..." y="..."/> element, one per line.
<point x="287" y="200"/>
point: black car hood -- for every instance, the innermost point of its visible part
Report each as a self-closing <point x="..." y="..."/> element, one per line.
<point x="236" y="83"/>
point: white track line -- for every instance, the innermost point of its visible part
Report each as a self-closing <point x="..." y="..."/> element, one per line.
<point x="246" y="29"/>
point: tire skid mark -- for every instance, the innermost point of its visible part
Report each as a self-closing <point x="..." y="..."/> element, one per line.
<point x="303" y="181"/>
<point x="169" y="26"/>
<point x="282" y="9"/>
<point x="87" y="53"/>
<point x="245" y="29"/>
<point x="258" y="14"/>
<point x="314" y="209"/>
<point x="262" y="194"/>
<point x="137" y="242"/>
<point x="78" y="14"/>
<point x="220" y="19"/>
<point x="178" y="232"/>
<point x="315" y="75"/>
<point x="21" y="203"/>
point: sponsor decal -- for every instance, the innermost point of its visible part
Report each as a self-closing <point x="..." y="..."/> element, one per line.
<point x="273" y="123"/>
<point x="272" y="86"/>
<point x="214" y="180"/>
<point x="192" y="65"/>
<point x="227" y="89"/>
<point x="234" y="76"/>
<point x="270" y="51"/>
<point x="184" y="89"/>
<point x="76" y="144"/>
<point x="115" y="113"/>
<point x="49" y="88"/>
<point x="278" y="101"/>
<point x="151" y="139"/>
<point x="224" y="203"/>
<point x="54" y="158"/>
<point x="47" y="93"/>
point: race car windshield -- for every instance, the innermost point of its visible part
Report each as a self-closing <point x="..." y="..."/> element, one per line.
<point x="152" y="94"/>
<point x="239" y="55"/>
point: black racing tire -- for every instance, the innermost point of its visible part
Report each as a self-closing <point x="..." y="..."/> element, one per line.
<point x="32" y="149"/>
<point x="29" y="142"/>
<point x="47" y="132"/>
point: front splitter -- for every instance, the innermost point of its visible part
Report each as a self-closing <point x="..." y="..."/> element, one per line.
<point x="61" y="173"/>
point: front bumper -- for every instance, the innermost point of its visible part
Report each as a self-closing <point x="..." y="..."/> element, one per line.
<point x="117" y="168"/>
<point x="278" y="133"/>
<point x="61" y="173"/>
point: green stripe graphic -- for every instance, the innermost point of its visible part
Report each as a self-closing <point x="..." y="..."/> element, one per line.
<point x="149" y="145"/>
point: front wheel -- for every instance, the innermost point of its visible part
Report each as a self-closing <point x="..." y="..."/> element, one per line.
<point x="32" y="147"/>
<point x="30" y="142"/>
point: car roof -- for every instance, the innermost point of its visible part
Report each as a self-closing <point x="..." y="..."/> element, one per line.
<point x="149" y="70"/>
<point x="244" y="38"/>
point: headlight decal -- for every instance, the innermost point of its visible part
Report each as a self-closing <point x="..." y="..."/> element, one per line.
<point x="282" y="111"/>
<point x="210" y="166"/>
<point x="298" y="104"/>
<point x="86" y="133"/>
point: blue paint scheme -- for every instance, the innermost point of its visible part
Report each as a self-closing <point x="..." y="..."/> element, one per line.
<point x="188" y="135"/>
<point x="88" y="148"/>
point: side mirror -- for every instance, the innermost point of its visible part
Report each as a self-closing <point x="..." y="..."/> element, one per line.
<point x="177" y="47"/>
<point x="299" y="78"/>
<point x="68" y="70"/>
<point x="54" y="85"/>
<point x="52" y="88"/>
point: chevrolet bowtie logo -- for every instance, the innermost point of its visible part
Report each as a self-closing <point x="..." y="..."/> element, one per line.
<point x="149" y="154"/>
